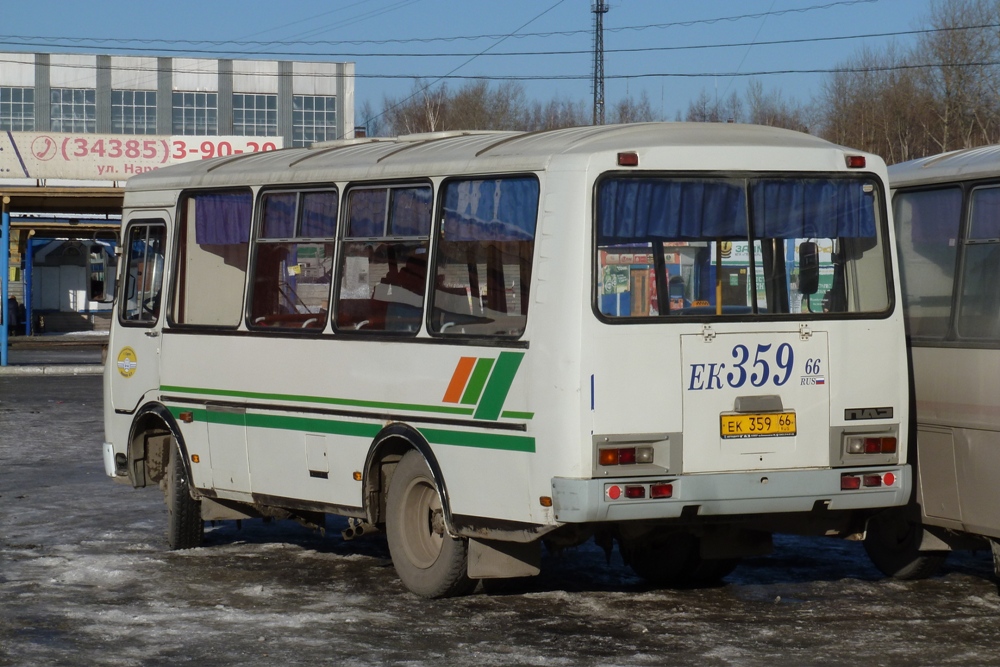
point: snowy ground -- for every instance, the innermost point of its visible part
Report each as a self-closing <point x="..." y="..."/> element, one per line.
<point x="85" y="580"/>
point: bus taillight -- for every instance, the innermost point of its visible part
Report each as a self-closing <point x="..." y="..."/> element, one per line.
<point x="615" y="456"/>
<point x="866" y="444"/>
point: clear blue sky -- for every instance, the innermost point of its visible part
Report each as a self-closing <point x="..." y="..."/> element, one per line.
<point x="437" y="32"/>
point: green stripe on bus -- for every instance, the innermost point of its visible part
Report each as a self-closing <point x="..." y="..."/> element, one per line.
<point x="499" y="385"/>
<point x="435" y="436"/>
<point x="477" y="381"/>
<point x="324" y="400"/>
<point x="511" y="443"/>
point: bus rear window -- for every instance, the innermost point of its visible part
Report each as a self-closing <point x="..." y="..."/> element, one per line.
<point x="738" y="247"/>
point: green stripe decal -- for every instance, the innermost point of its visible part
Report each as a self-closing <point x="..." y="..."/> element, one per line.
<point x="499" y="385"/>
<point x="322" y="400"/>
<point x="435" y="436"/>
<point x="477" y="381"/>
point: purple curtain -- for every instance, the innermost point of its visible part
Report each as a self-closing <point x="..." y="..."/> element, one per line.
<point x="222" y="218"/>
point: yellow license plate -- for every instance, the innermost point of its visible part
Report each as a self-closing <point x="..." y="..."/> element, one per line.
<point x="765" y="425"/>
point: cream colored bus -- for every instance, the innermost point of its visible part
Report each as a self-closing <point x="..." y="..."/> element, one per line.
<point x="947" y="213"/>
<point x="677" y="338"/>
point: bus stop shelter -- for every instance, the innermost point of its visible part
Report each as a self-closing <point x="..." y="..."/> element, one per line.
<point x="35" y="211"/>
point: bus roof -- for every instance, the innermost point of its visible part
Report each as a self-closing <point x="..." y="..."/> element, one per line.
<point x="465" y="152"/>
<point x="967" y="163"/>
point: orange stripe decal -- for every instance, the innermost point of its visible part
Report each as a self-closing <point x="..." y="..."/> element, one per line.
<point x="459" y="379"/>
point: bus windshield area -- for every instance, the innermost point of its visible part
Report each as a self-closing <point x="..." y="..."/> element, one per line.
<point x="772" y="245"/>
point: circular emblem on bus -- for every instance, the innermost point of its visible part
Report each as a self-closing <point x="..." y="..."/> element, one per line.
<point x="127" y="362"/>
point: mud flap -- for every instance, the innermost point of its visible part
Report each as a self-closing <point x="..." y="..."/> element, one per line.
<point x="491" y="559"/>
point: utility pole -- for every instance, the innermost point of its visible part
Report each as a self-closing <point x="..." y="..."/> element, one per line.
<point x="599" y="9"/>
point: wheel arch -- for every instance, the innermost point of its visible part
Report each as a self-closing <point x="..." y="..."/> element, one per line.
<point x="386" y="450"/>
<point x="152" y="430"/>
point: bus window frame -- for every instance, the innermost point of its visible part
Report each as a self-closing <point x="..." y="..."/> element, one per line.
<point x="436" y="233"/>
<point x="256" y="236"/>
<point x="343" y="239"/>
<point x="178" y="277"/>
<point x="748" y="177"/>
<point x="124" y="280"/>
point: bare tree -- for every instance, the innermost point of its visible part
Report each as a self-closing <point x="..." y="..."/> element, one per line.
<point x="631" y="110"/>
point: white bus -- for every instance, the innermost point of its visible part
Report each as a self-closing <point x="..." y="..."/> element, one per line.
<point x="677" y="337"/>
<point x="947" y="216"/>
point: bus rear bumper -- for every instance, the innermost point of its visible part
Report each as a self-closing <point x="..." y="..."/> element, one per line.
<point x="723" y="494"/>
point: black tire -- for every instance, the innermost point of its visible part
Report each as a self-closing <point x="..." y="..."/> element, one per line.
<point x="185" y="528"/>
<point x="892" y="542"/>
<point x="428" y="561"/>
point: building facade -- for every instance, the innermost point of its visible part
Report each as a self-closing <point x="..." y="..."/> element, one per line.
<point x="301" y="102"/>
<point x="143" y="112"/>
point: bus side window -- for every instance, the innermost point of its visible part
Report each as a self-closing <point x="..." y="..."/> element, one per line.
<point x="483" y="269"/>
<point x="293" y="262"/>
<point x="384" y="260"/>
<point x="979" y="306"/>
<point x="928" y="223"/>
<point x="213" y="248"/>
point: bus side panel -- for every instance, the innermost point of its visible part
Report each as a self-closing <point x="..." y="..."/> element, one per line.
<point x="958" y="427"/>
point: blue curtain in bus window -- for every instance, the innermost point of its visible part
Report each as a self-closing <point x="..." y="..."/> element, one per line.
<point x="491" y="210"/>
<point x="411" y="212"/>
<point x="639" y="209"/>
<point x="222" y="219"/>
<point x="788" y="209"/>
<point x="366" y="217"/>
<point x="319" y="215"/>
<point x="985" y="218"/>
<point x="933" y="216"/>
<point x="278" y="215"/>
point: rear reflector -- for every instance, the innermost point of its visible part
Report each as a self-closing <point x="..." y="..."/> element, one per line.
<point x="856" y="162"/>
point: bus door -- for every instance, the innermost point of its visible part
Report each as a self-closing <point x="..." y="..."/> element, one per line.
<point x="135" y="344"/>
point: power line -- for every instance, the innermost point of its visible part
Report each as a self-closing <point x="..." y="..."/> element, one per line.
<point x="419" y="40"/>
<point x="574" y="52"/>
<point x="580" y="77"/>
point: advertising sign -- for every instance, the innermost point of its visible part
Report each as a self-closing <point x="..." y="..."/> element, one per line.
<point x="112" y="157"/>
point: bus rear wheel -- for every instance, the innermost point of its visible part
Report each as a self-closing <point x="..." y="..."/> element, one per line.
<point x="892" y="541"/>
<point x="429" y="562"/>
<point x="185" y="528"/>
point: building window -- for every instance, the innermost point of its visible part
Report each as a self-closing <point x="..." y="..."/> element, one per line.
<point x="196" y="113"/>
<point x="133" y="111"/>
<point x="17" y="109"/>
<point x="255" y="115"/>
<point x="314" y="118"/>
<point x="74" y="110"/>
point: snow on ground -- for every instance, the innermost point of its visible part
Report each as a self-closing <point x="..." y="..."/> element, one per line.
<point x="85" y="579"/>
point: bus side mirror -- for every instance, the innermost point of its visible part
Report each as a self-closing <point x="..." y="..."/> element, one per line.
<point x="103" y="269"/>
<point x="808" y="268"/>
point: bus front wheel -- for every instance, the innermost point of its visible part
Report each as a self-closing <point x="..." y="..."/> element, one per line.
<point x="429" y="562"/>
<point x="185" y="528"/>
<point x="892" y="541"/>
